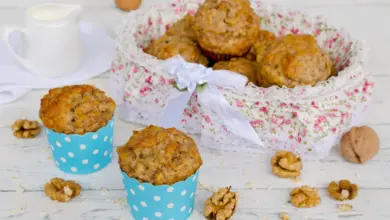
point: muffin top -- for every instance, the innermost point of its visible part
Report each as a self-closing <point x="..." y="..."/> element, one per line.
<point x="226" y="26"/>
<point x="239" y="65"/>
<point x="168" y="46"/>
<point x="293" y="60"/>
<point x="159" y="156"/>
<point x="183" y="27"/>
<point x="76" y="109"/>
<point x="264" y="38"/>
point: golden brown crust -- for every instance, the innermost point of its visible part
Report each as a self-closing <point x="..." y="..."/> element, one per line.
<point x="183" y="27"/>
<point x="159" y="156"/>
<point x="264" y="37"/>
<point x="166" y="47"/>
<point x="239" y="65"/>
<point x="77" y="109"/>
<point x="291" y="61"/>
<point x="226" y="26"/>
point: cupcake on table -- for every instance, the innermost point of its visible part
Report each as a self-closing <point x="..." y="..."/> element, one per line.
<point x="79" y="126"/>
<point x="160" y="172"/>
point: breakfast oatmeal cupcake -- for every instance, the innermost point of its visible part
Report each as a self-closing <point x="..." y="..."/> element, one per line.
<point x="183" y="27"/>
<point x="168" y="46"/>
<point x="291" y="61"/>
<point x="239" y="65"/>
<point x="79" y="125"/>
<point x="226" y="28"/>
<point x="160" y="170"/>
<point x="264" y="38"/>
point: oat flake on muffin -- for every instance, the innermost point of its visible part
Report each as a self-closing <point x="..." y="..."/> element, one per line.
<point x="226" y="28"/>
<point x="76" y="109"/>
<point x="159" y="156"/>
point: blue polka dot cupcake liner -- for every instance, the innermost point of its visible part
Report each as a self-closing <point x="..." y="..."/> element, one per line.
<point x="162" y="202"/>
<point x="82" y="154"/>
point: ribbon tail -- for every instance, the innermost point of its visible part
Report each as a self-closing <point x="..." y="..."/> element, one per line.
<point x="234" y="121"/>
<point x="171" y="116"/>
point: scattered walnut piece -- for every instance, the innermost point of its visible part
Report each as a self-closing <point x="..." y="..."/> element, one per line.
<point x="26" y="129"/>
<point x="343" y="190"/>
<point x="345" y="207"/>
<point x="284" y="216"/>
<point x="305" y="197"/>
<point x="61" y="190"/>
<point x="286" y="164"/>
<point x="221" y="205"/>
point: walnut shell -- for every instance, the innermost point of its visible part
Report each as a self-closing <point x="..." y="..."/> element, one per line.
<point x="360" y="144"/>
<point x="343" y="190"/>
<point x="286" y="164"/>
<point x="127" y="5"/>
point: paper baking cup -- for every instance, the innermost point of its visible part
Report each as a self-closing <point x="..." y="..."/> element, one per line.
<point x="149" y="202"/>
<point x="82" y="154"/>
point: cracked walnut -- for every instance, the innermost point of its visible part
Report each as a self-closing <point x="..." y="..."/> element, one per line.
<point x="305" y="197"/>
<point x="221" y="205"/>
<point x="25" y="128"/>
<point x="62" y="190"/>
<point x="286" y="164"/>
<point x="343" y="190"/>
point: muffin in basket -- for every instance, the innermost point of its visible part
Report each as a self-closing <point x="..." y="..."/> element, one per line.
<point x="239" y="65"/>
<point x="160" y="171"/>
<point x="79" y="126"/>
<point x="291" y="61"/>
<point x="168" y="46"/>
<point x="183" y="27"/>
<point x="265" y="37"/>
<point x="226" y="28"/>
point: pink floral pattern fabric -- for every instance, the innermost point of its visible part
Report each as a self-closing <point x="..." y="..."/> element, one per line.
<point x="307" y="120"/>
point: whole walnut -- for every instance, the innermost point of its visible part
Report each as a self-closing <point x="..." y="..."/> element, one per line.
<point x="360" y="144"/>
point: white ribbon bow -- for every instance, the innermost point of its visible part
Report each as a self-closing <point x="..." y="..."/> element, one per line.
<point x="189" y="76"/>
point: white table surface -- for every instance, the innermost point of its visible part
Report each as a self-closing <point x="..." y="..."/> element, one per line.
<point x="25" y="165"/>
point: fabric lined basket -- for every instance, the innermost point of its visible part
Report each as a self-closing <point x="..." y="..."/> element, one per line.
<point x="307" y="120"/>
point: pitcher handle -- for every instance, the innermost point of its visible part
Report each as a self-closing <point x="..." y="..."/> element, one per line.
<point x="7" y="32"/>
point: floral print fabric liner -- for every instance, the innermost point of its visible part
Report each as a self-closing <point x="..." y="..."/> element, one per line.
<point x="306" y="120"/>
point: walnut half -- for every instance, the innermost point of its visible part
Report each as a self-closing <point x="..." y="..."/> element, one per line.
<point x="26" y="129"/>
<point x="286" y="164"/>
<point x="305" y="197"/>
<point x="343" y="190"/>
<point x="221" y="205"/>
<point x="61" y="190"/>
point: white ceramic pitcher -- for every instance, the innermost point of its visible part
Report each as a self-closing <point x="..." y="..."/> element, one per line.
<point x="53" y="45"/>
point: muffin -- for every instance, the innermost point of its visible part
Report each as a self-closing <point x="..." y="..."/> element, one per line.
<point x="76" y="109"/>
<point x="183" y="27"/>
<point x="160" y="171"/>
<point x="226" y="28"/>
<point x="292" y="60"/>
<point x="265" y="37"/>
<point x="79" y="125"/>
<point x="159" y="156"/>
<point x="239" y="65"/>
<point x="168" y="46"/>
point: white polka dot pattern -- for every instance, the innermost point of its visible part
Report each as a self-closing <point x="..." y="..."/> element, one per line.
<point x="82" y="154"/>
<point x="161" y="202"/>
